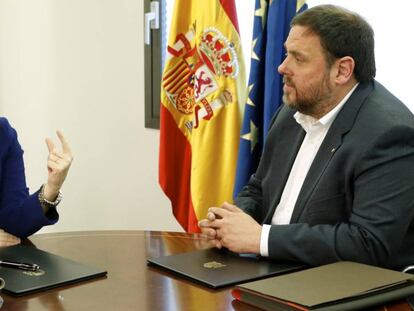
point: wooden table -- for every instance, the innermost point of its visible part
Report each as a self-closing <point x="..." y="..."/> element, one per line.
<point x="130" y="284"/>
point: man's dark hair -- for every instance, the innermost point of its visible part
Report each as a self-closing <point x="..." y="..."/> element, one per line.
<point x="342" y="33"/>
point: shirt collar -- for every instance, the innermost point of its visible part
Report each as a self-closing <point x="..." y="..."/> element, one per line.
<point x="307" y="121"/>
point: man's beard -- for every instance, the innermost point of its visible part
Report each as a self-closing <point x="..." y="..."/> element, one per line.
<point x="313" y="100"/>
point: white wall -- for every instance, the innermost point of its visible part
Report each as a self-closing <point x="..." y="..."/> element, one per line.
<point x="77" y="65"/>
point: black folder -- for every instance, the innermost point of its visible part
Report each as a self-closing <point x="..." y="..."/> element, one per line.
<point x="54" y="270"/>
<point x="219" y="268"/>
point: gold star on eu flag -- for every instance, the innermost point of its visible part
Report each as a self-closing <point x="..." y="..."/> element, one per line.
<point x="261" y="12"/>
<point x="249" y="100"/>
<point x="252" y="136"/>
<point x="254" y="55"/>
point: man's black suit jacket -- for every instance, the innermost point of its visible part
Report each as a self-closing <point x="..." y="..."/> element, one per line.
<point x="357" y="201"/>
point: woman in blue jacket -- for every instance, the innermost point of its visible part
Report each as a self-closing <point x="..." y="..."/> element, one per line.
<point x="22" y="214"/>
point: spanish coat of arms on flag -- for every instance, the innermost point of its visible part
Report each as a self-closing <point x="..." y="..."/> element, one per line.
<point x="202" y="92"/>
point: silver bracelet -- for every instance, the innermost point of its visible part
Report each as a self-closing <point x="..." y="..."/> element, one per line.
<point x="47" y="203"/>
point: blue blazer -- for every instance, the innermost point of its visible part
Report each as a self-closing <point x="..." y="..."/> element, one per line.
<point x="357" y="200"/>
<point x="20" y="212"/>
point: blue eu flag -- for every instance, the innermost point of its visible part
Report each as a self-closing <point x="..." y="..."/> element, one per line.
<point x="270" y="30"/>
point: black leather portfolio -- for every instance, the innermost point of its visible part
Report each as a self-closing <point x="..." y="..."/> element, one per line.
<point x="217" y="268"/>
<point x="53" y="270"/>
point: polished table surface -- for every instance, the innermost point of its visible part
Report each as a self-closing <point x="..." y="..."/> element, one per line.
<point x="130" y="284"/>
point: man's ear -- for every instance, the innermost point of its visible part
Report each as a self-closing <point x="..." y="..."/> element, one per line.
<point x="344" y="70"/>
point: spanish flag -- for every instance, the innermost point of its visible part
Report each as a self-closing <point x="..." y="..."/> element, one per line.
<point x="202" y="92"/>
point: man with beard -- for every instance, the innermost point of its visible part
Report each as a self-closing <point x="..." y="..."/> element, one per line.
<point x="336" y="178"/>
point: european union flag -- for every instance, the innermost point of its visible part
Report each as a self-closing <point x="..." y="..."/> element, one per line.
<point x="270" y="30"/>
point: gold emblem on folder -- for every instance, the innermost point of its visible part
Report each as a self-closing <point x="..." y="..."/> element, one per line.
<point x="34" y="273"/>
<point x="213" y="265"/>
